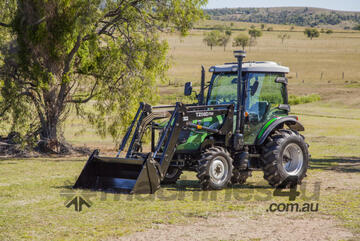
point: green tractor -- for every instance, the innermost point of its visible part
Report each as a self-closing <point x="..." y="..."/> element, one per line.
<point x="242" y="124"/>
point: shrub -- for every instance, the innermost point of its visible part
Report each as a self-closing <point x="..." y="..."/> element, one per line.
<point x="297" y="100"/>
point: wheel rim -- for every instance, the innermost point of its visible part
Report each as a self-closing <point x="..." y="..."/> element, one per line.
<point x="218" y="171"/>
<point x="293" y="159"/>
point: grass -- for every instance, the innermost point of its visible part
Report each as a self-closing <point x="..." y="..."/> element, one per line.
<point x="296" y="100"/>
<point x="31" y="204"/>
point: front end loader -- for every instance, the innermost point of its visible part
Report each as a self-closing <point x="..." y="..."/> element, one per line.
<point x="242" y="125"/>
<point x="142" y="172"/>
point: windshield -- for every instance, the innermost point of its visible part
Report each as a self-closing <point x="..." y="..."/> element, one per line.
<point x="261" y="88"/>
<point x="224" y="89"/>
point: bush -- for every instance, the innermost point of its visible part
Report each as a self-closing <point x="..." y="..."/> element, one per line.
<point x="357" y="27"/>
<point x="312" y="33"/>
<point x="297" y="100"/>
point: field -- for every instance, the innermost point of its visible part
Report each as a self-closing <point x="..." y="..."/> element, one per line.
<point x="33" y="191"/>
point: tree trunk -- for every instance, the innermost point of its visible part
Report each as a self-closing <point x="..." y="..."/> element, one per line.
<point x="49" y="136"/>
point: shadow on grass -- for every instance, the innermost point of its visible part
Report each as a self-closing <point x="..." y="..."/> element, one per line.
<point x="16" y="160"/>
<point x="194" y="186"/>
<point x="340" y="164"/>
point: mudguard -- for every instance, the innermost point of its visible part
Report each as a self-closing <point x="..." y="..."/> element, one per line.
<point x="273" y="124"/>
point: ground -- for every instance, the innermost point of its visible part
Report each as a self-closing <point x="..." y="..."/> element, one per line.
<point x="33" y="191"/>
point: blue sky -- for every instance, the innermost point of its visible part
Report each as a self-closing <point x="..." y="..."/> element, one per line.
<point x="346" y="5"/>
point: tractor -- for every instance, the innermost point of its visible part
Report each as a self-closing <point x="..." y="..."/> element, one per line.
<point x="242" y="124"/>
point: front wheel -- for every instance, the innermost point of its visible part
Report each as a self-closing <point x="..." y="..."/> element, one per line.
<point x="285" y="154"/>
<point x="215" y="169"/>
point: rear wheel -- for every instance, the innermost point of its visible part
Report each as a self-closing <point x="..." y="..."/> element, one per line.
<point x="285" y="154"/>
<point x="215" y="168"/>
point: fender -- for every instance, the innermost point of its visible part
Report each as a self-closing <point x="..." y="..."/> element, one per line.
<point x="273" y="124"/>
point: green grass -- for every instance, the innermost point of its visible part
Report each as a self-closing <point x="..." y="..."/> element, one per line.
<point x="296" y="100"/>
<point x="32" y="206"/>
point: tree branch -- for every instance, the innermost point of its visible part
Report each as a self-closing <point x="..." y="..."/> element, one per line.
<point x="71" y="55"/>
<point x="5" y="25"/>
<point x="92" y="95"/>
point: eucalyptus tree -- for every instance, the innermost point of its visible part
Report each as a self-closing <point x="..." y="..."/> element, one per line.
<point x="59" y="54"/>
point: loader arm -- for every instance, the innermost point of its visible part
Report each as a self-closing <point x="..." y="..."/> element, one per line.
<point x="142" y="172"/>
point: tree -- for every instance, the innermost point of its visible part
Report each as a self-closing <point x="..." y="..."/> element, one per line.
<point x="283" y="37"/>
<point x="212" y="38"/>
<point x="228" y="31"/>
<point x="357" y="27"/>
<point x="263" y="26"/>
<point x="329" y="31"/>
<point x="312" y="33"/>
<point x="242" y="40"/>
<point x="63" y="54"/>
<point x="254" y="34"/>
<point x="224" y="40"/>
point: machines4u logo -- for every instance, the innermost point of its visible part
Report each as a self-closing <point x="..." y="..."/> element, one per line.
<point x="77" y="199"/>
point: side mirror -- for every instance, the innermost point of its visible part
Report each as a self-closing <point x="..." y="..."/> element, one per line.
<point x="188" y="89"/>
<point x="281" y="80"/>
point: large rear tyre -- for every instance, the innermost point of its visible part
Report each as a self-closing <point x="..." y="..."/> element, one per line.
<point x="285" y="154"/>
<point x="215" y="169"/>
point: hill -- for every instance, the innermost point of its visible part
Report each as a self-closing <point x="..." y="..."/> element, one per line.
<point x="301" y="16"/>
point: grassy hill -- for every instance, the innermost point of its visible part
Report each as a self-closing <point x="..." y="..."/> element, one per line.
<point x="301" y="16"/>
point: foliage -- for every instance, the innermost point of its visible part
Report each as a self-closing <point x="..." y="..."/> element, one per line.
<point x="329" y="31"/>
<point x="212" y="38"/>
<point x="357" y="27"/>
<point x="224" y="40"/>
<point x="270" y="29"/>
<point x="312" y="33"/>
<point x="296" y="16"/>
<point x="228" y="31"/>
<point x="64" y="54"/>
<point x="255" y="33"/>
<point x="283" y="37"/>
<point x="242" y="40"/>
<point x="297" y="100"/>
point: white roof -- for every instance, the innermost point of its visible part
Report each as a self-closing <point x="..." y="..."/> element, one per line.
<point x="265" y="66"/>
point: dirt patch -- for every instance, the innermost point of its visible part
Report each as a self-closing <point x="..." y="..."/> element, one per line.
<point x="239" y="226"/>
<point x="267" y="226"/>
<point x="343" y="176"/>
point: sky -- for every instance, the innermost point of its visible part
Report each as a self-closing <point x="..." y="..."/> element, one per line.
<point x="345" y="5"/>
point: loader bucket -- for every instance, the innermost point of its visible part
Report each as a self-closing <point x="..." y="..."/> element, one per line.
<point x="120" y="175"/>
